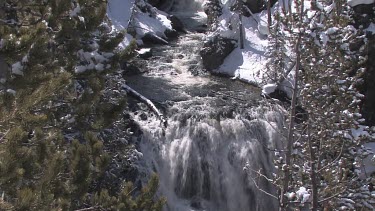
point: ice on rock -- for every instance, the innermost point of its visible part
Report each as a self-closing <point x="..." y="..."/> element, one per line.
<point x="269" y="88"/>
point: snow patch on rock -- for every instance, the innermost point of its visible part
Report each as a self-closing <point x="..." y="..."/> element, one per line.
<point x="353" y="3"/>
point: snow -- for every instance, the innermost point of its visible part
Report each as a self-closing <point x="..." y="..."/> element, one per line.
<point x="17" y="69"/>
<point x="353" y="3"/>
<point x="332" y="30"/>
<point x="75" y="11"/>
<point x="247" y="64"/>
<point x="360" y="131"/>
<point x="269" y="88"/>
<point x="80" y="69"/>
<point x="145" y="24"/>
<point x="371" y="28"/>
<point x="290" y="196"/>
<point x="303" y="195"/>
<point x="99" y="67"/>
<point x="82" y="19"/>
<point x="125" y="42"/>
<point x="11" y="91"/>
<point x="119" y="12"/>
<point x="144" y="50"/>
<point x="368" y="163"/>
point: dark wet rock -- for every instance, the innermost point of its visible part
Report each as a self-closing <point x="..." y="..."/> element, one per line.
<point x="196" y="203"/>
<point x="131" y="68"/>
<point x="201" y="29"/>
<point x="145" y="54"/>
<point x="364" y="9"/>
<point x="151" y="38"/>
<point x="143" y="116"/>
<point x="255" y="5"/>
<point x="177" y="24"/>
<point x="301" y="114"/>
<point x="356" y="44"/>
<point x="171" y="33"/>
<point x="215" y="51"/>
<point x="368" y="107"/>
<point x="155" y="3"/>
<point x="180" y="56"/>
<point x="363" y="15"/>
<point x="213" y="9"/>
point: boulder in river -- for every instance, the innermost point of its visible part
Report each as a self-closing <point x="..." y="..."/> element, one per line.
<point x="215" y="50"/>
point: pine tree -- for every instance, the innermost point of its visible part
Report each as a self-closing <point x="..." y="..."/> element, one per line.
<point x="323" y="146"/>
<point x="59" y="54"/>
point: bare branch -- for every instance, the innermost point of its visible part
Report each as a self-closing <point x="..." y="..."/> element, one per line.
<point x="335" y="160"/>
<point x="265" y="192"/>
<point x="331" y="197"/>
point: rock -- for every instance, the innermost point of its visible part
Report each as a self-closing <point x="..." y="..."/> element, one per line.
<point x="363" y="15"/>
<point x="356" y="44"/>
<point x="155" y="3"/>
<point x="255" y="5"/>
<point x="364" y="9"/>
<point x="201" y="28"/>
<point x="145" y="53"/>
<point x="368" y="107"/>
<point x="133" y="68"/>
<point x="143" y="116"/>
<point x="177" y="24"/>
<point x="215" y="50"/>
<point x="171" y="33"/>
<point x="151" y="38"/>
<point x="4" y="69"/>
<point x="213" y="10"/>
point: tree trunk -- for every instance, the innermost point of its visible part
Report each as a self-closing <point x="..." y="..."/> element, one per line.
<point x="148" y="102"/>
<point x="241" y="33"/>
<point x="290" y="140"/>
<point x="313" y="160"/>
<point x="269" y="15"/>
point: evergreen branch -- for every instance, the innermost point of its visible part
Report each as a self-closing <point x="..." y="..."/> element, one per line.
<point x="331" y="197"/>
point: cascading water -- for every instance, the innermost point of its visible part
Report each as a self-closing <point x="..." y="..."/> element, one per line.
<point x="201" y="156"/>
<point x="216" y="127"/>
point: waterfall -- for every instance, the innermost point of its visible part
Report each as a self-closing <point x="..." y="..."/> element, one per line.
<point x="216" y="127"/>
<point x="201" y="156"/>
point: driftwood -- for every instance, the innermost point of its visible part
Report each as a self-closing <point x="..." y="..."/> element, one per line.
<point x="148" y="102"/>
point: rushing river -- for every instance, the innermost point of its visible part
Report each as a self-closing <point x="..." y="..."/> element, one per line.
<point x="216" y="127"/>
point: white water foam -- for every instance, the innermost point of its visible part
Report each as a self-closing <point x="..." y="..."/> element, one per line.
<point x="200" y="159"/>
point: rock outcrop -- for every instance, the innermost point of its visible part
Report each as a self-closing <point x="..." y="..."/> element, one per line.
<point x="363" y="16"/>
<point x="368" y="107"/>
<point x="215" y="50"/>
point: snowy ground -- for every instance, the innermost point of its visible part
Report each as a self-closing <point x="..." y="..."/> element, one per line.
<point x="247" y="64"/>
<point x="120" y="12"/>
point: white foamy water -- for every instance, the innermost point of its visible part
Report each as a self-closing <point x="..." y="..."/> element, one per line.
<point x="215" y="128"/>
<point x="201" y="155"/>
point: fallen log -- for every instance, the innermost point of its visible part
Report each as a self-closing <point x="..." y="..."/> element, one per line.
<point x="148" y="102"/>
